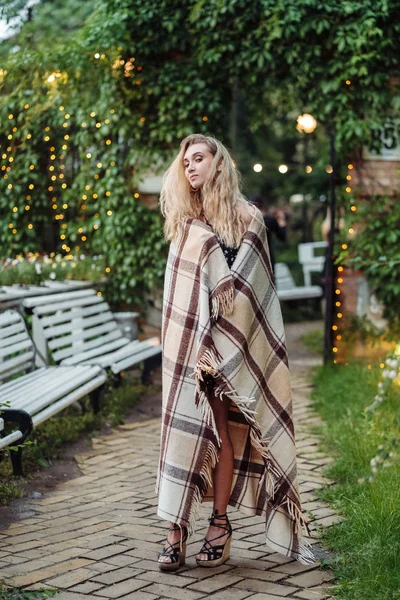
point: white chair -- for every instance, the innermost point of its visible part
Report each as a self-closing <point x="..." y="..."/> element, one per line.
<point x="288" y="290"/>
<point x="309" y="260"/>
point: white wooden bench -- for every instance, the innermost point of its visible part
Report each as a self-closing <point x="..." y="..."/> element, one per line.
<point x="37" y="395"/>
<point x="288" y="290"/>
<point x="79" y="328"/>
<point x="11" y="296"/>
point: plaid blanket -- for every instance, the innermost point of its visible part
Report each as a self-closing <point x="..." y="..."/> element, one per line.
<point x="227" y="323"/>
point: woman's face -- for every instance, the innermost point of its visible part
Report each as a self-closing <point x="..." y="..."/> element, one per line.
<point x="197" y="163"/>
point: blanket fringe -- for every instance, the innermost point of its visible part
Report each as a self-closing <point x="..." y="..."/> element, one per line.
<point x="306" y="555"/>
<point x="210" y="461"/>
<point x="208" y="363"/>
<point x="222" y="303"/>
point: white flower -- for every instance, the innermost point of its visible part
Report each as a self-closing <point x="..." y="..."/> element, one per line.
<point x="374" y="470"/>
<point x="380" y="385"/>
<point x="392" y="374"/>
<point x="372" y="462"/>
<point x="361" y="480"/>
<point x="385" y="373"/>
<point x="38" y="268"/>
<point x="83" y="257"/>
<point x="52" y="275"/>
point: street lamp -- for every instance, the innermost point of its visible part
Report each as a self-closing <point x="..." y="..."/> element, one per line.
<point x="305" y="124"/>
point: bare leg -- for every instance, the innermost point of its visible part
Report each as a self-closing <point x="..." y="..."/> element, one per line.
<point x="223" y="471"/>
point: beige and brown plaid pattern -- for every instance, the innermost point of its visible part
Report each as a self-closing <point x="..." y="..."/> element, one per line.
<point x="227" y="323"/>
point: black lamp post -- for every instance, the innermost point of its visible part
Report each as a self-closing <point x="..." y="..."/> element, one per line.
<point x="330" y="267"/>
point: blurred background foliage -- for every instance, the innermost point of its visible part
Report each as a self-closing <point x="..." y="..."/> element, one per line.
<point x="97" y="95"/>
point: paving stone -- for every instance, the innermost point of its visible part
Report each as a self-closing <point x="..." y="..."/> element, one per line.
<point x="105" y="552"/>
<point x="70" y="596"/>
<point x="47" y="573"/>
<point x="265" y="597"/>
<point x="140" y="595"/>
<point x="310" y="579"/>
<point x="116" y="575"/>
<point x="201" y="573"/>
<point x="122" y="560"/>
<point x="121" y="589"/>
<point x="168" y="591"/>
<point x="254" y="585"/>
<point x="87" y="587"/>
<point x="231" y="594"/>
<point x="165" y="577"/>
<point x="317" y="593"/>
<point x="103" y="567"/>
<point x="70" y="579"/>
<point x="258" y="574"/>
<point x="216" y="583"/>
<point x="293" y="568"/>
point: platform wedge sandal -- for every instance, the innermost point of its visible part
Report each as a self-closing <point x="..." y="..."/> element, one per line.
<point x="176" y="555"/>
<point x="216" y="555"/>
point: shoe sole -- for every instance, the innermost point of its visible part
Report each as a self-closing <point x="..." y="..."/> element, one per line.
<point x="165" y="566"/>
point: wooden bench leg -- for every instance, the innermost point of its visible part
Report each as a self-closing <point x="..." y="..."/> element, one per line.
<point x="25" y="426"/>
<point x="96" y="398"/>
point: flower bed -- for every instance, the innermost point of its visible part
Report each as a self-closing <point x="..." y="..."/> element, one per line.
<point x="34" y="268"/>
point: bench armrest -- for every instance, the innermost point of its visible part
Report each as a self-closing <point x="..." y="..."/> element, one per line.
<point x="22" y="418"/>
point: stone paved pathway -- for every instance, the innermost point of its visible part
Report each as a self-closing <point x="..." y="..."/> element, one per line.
<point x="97" y="536"/>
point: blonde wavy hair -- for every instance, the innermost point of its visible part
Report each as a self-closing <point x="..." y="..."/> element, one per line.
<point x="218" y="200"/>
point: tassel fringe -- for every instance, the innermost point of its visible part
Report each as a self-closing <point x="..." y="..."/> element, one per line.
<point x="222" y="303"/>
<point x="210" y="461"/>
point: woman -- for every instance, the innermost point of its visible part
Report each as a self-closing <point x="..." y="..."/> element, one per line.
<point x="227" y="433"/>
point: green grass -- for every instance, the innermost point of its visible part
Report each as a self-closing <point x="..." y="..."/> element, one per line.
<point x="45" y="443"/>
<point x="367" y="542"/>
<point x="16" y="594"/>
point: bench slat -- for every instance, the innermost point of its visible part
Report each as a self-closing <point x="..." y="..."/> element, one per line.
<point x="129" y="361"/>
<point x="92" y="354"/>
<point x="59" y="355"/>
<point x="13" y="348"/>
<point x="14" y="383"/>
<point x="52" y="308"/>
<point x="15" y="365"/>
<point x="52" y="386"/>
<point x="52" y="332"/>
<point x="8" y="318"/>
<point x="67" y="315"/>
<point x="69" y="399"/>
<point x="6" y="332"/>
<point x="37" y="301"/>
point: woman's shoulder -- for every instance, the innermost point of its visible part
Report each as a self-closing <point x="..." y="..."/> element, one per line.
<point x="246" y="211"/>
